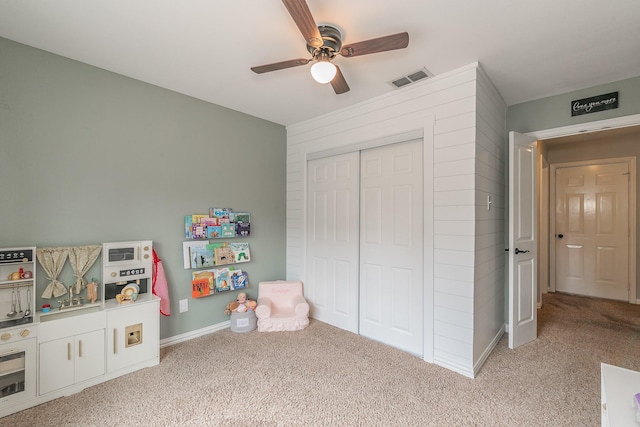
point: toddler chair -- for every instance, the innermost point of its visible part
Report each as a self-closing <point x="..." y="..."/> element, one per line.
<point x="281" y="306"/>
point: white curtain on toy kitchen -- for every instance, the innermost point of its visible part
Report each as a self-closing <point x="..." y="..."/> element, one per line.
<point x="52" y="260"/>
<point x="82" y="259"/>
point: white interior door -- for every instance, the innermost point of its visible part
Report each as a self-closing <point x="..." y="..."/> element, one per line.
<point x="592" y="230"/>
<point x="391" y="246"/>
<point x="331" y="284"/>
<point x="523" y="224"/>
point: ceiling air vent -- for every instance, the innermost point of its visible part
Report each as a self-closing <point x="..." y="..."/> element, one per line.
<point x="411" y="78"/>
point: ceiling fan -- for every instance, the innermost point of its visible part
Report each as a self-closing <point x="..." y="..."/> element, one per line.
<point x="324" y="42"/>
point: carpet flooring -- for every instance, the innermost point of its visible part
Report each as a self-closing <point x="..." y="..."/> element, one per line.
<point x="324" y="376"/>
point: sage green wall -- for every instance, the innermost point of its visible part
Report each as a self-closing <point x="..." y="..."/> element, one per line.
<point x="89" y="156"/>
<point x="555" y="111"/>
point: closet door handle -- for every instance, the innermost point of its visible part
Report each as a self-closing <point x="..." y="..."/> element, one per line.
<point x="80" y="348"/>
<point x="68" y="351"/>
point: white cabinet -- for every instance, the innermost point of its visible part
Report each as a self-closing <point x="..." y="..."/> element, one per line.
<point x="71" y="360"/>
<point x="133" y="334"/>
<point x="618" y="386"/>
<point x="71" y="351"/>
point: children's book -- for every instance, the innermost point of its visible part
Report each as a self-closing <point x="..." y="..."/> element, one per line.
<point x="201" y="256"/>
<point x="200" y="288"/>
<point x="222" y="214"/>
<point x="239" y="279"/>
<point x="188" y="224"/>
<point x="214" y="232"/>
<point x="202" y="283"/>
<point x="243" y="229"/>
<point x="240" y="251"/>
<point x="223" y="255"/>
<point x="198" y="231"/>
<point x="187" y="247"/>
<point x="228" y="230"/>
<point x="208" y="221"/>
<point x="244" y="217"/>
<point x="222" y="280"/>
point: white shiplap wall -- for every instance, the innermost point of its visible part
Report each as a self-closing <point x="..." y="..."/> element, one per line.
<point x="491" y="165"/>
<point x="444" y="109"/>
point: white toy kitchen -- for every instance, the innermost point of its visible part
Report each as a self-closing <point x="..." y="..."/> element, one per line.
<point x="86" y="331"/>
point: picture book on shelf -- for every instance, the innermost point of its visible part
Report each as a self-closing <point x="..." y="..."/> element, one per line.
<point x="223" y="254"/>
<point x="198" y="231"/>
<point x="202" y="283"/>
<point x="222" y="214"/>
<point x="239" y="279"/>
<point x="194" y="224"/>
<point x="200" y="288"/>
<point x="243" y="229"/>
<point x="201" y="256"/>
<point x="244" y="217"/>
<point x="240" y="251"/>
<point x="188" y="247"/>
<point x="228" y="230"/>
<point x="214" y="232"/>
<point x="222" y="280"/>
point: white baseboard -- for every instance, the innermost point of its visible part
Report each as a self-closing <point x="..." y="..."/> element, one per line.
<point x="488" y="351"/>
<point x="194" y="334"/>
<point x="453" y="366"/>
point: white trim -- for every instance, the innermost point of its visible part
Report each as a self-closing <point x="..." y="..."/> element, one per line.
<point x="614" y="123"/>
<point x="631" y="161"/>
<point x="427" y="240"/>
<point x="618" y="122"/>
<point x="176" y="339"/>
<point x="487" y="351"/>
<point x="364" y="145"/>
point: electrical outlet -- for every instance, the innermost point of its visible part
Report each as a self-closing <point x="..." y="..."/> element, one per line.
<point x="184" y="305"/>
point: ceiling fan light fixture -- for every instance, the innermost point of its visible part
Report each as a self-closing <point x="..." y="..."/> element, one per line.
<point x="323" y="71"/>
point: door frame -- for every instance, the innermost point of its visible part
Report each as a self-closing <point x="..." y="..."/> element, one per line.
<point x="589" y="127"/>
<point x="631" y="162"/>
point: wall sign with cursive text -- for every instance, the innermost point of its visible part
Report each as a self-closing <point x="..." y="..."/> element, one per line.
<point x="608" y="101"/>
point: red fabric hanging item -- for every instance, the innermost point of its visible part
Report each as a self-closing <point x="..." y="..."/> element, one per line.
<point x="160" y="287"/>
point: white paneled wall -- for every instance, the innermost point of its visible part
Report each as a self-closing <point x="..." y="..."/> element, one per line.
<point x="464" y="158"/>
<point x="491" y="166"/>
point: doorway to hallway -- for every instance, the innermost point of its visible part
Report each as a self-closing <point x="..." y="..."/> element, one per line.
<point x="591" y="228"/>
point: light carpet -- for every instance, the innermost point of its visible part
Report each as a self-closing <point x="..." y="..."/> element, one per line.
<point x="324" y="376"/>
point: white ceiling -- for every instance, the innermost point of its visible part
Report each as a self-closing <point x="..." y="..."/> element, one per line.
<point x="204" y="48"/>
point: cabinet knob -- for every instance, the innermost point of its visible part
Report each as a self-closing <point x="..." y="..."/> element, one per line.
<point x="114" y="274"/>
<point x="6" y="336"/>
<point x="25" y="333"/>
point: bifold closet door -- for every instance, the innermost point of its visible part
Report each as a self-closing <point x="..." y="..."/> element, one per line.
<point x="332" y="258"/>
<point x="391" y="246"/>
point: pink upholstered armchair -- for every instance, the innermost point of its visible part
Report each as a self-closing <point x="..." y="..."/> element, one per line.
<point x="281" y="306"/>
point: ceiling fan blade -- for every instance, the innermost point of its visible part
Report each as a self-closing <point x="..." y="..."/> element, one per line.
<point x="380" y="44"/>
<point x="338" y="83"/>
<point x="279" y="65"/>
<point x="299" y="11"/>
